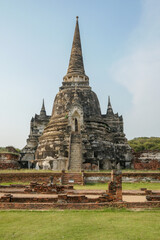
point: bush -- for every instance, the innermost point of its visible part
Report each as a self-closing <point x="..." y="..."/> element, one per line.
<point x="145" y="143"/>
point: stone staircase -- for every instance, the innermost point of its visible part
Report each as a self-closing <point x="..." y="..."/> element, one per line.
<point x="72" y="178"/>
<point x="75" y="158"/>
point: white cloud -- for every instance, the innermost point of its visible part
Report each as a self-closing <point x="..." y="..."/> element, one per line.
<point x="139" y="72"/>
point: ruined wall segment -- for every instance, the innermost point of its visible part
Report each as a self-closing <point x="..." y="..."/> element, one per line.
<point x="9" y="158"/>
<point x="149" y="160"/>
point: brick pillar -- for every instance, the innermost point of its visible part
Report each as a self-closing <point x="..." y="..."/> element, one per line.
<point x="112" y="183"/>
<point x="113" y="175"/>
<point x="119" y="185"/>
<point x="115" y="185"/>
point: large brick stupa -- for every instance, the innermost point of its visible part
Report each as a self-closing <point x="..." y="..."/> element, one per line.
<point x="78" y="136"/>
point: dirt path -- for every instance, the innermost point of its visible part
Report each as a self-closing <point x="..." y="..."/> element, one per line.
<point x="129" y="198"/>
<point x="133" y="198"/>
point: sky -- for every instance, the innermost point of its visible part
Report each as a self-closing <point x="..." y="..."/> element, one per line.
<point x="121" y="51"/>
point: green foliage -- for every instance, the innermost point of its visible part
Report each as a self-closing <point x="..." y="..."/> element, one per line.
<point x="6" y="150"/>
<point x="13" y="183"/>
<point x="18" y="150"/>
<point x="66" y="116"/>
<point x="145" y="143"/>
<point x="2" y="149"/>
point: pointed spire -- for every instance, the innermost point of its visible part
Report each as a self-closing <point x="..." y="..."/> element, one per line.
<point x="43" y="110"/>
<point x="109" y="102"/>
<point x="76" y="66"/>
<point x="109" y="109"/>
<point x="43" y="107"/>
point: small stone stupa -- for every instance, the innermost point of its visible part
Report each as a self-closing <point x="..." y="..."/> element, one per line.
<point x="78" y="136"/>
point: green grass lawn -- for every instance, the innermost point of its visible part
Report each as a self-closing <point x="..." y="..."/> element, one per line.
<point x="77" y="225"/>
<point x="125" y="186"/>
<point x="9" y="183"/>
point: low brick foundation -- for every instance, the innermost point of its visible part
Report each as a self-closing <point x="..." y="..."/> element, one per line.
<point x="153" y="197"/>
<point x="91" y="177"/>
<point x="9" y="161"/>
<point x="43" y="206"/>
<point x="35" y="187"/>
<point x="149" y="160"/>
<point x="60" y="193"/>
<point x="85" y="178"/>
<point x="29" y="177"/>
<point x="60" y="198"/>
<point x="11" y="199"/>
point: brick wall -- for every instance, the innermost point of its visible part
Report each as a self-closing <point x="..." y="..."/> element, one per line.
<point x="126" y="177"/>
<point x="9" y="161"/>
<point x="96" y="177"/>
<point x="29" y="177"/>
<point x="147" y="160"/>
<point x="4" y="205"/>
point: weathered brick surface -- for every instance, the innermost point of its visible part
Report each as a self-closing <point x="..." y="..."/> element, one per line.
<point x="44" y="177"/>
<point x="35" y="187"/>
<point x="152" y="165"/>
<point x="10" y="198"/>
<point x="29" y="177"/>
<point x="72" y="178"/>
<point x="9" y="205"/>
<point x="115" y="186"/>
<point x="126" y="177"/>
<point x="147" y="160"/>
<point x="9" y="161"/>
<point x="153" y="197"/>
<point x="138" y="177"/>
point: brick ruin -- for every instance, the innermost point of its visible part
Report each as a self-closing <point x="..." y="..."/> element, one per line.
<point x="66" y="193"/>
<point x="147" y="160"/>
<point x="52" y="195"/>
<point x="115" y="186"/>
<point x="9" y="158"/>
<point x="35" y="187"/>
<point x="81" y="178"/>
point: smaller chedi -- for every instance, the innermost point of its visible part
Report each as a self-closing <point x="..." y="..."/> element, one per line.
<point x="37" y="125"/>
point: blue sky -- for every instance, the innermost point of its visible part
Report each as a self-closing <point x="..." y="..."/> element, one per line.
<point x="120" y="44"/>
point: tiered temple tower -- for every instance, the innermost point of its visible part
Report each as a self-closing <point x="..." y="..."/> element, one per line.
<point x="78" y="136"/>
